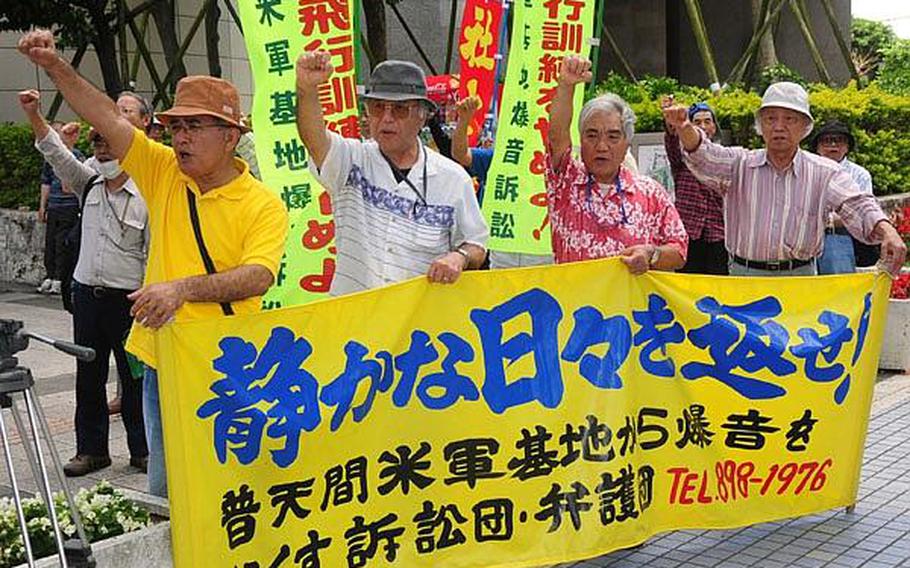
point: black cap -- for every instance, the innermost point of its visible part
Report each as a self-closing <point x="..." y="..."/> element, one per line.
<point x="832" y="127"/>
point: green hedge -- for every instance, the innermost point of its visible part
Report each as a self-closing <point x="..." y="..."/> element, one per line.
<point x="20" y="167"/>
<point x="880" y="121"/>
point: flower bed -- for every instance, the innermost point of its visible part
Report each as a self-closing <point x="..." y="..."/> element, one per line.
<point x="896" y="343"/>
<point x="105" y="513"/>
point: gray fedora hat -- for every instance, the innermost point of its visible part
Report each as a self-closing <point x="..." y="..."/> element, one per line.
<point x="395" y="80"/>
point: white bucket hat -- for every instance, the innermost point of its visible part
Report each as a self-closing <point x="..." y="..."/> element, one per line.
<point x="786" y="95"/>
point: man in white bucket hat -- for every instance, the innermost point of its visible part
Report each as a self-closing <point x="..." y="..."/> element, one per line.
<point x="778" y="198"/>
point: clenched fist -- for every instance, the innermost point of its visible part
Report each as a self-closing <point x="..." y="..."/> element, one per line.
<point x="40" y="48"/>
<point x="465" y="108"/>
<point x="314" y="68"/>
<point x="30" y="101"/>
<point x="574" y="69"/>
<point x="676" y="116"/>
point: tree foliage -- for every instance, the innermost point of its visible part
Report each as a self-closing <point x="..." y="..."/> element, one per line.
<point x="869" y="41"/>
<point x="75" y="23"/>
<point x="894" y="71"/>
<point x="70" y="21"/>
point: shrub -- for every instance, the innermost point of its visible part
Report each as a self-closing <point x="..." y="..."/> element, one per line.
<point x="20" y="167"/>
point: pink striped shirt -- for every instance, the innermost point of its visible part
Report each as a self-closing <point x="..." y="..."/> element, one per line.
<point x="773" y="215"/>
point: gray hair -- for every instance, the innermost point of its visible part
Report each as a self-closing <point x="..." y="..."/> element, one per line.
<point x="145" y="108"/>
<point x="608" y="102"/>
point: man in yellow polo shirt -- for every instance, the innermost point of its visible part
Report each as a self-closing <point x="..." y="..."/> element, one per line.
<point x="219" y="264"/>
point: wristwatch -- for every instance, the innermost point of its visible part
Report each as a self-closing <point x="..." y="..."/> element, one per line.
<point x="655" y="256"/>
<point x="464" y="253"/>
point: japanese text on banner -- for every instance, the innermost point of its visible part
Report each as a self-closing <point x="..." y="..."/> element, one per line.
<point x="276" y="32"/>
<point x="527" y="417"/>
<point x="515" y="205"/>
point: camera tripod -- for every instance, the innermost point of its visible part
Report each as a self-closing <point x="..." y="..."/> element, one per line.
<point x="16" y="380"/>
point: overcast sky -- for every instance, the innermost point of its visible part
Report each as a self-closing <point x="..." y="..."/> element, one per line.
<point x="895" y="13"/>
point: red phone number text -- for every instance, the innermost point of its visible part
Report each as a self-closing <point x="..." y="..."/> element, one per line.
<point x="732" y="481"/>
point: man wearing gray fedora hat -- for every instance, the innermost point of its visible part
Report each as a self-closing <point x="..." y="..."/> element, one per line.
<point x="777" y="199"/>
<point x="400" y="209"/>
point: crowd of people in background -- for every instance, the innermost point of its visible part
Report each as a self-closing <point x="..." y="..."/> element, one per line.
<point x="188" y="231"/>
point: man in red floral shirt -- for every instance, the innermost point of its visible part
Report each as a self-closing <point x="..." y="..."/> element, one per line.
<point x="597" y="207"/>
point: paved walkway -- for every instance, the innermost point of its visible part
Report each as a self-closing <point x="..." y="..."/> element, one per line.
<point x="876" y="535"/>
<point x="54" y="374"/>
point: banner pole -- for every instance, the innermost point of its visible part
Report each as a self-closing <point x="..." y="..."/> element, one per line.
<point x="500" y="57"/>
<point x="595" y="43"/>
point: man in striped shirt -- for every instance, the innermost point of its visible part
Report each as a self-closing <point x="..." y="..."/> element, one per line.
<point x="778" y="198"/>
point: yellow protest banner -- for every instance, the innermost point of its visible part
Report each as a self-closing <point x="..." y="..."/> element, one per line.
<point x="516" y="418"/>
<point x="276" y="32"/>
<point x="515" y="198"/>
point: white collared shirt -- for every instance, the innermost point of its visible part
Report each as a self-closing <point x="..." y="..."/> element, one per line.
<point x="383" y="232"/>
<point x="860" y="175"/>
<point x="115" y="235"/>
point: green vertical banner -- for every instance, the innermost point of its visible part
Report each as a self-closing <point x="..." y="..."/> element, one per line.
<point x="515" y="204"/>
<point x="276" y="32"/>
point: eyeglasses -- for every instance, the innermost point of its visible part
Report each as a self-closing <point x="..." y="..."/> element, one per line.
<point x="192" y="127"/>
<point x="400" y="111"/>
<point x="832" y="140"/>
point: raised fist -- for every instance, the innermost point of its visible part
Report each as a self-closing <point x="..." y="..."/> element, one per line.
<point x="465" y="108"/>
<point x="574" y="69"/>
<point x="314" y="68"/>
<point x="39" y="47"/>
<point x="70" y="133"/>
<point x="30" y="101"/>
<point x="676" y="116"/>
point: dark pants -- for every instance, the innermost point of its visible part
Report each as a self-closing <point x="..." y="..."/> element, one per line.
<point x="59" y="223"/>
<point x="706" y="257"/>
<point x="101" y="320"/>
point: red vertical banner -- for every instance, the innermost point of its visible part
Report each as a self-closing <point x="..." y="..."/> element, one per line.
<point x="478" y="45"/>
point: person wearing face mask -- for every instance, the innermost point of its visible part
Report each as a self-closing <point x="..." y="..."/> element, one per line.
<point x="111" y="265"/>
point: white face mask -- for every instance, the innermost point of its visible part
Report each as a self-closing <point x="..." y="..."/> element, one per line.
<point x="110" y="169"/>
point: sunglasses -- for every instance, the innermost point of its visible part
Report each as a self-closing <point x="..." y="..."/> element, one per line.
<point x="831" y="140"/>
<point x="399" y="110"/>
